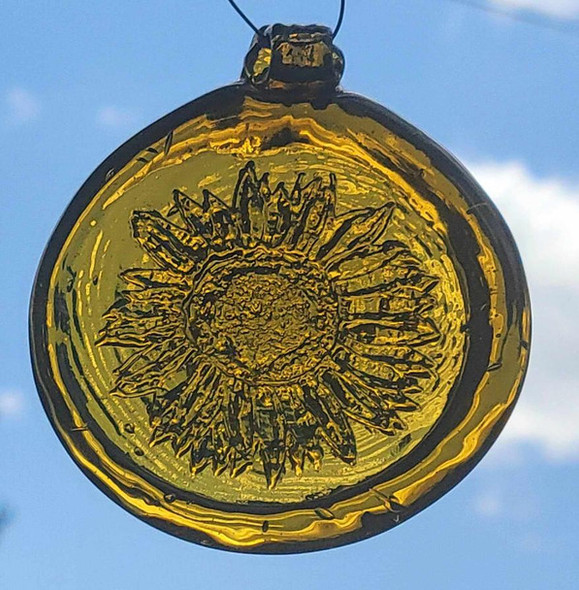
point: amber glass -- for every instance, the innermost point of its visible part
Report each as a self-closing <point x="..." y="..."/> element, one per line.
<point x="280" y="318"/>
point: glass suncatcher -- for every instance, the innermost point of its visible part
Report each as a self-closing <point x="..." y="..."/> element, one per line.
<point x="280" y="318"/>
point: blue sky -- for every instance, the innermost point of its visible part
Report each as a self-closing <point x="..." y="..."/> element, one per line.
<point x="77" y="79"/>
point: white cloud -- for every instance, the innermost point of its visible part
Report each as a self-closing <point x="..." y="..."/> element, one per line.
<point x="11" y="404"/>
<point x="22" y="106"/>
<point x="116" y="117"/>
<point x="543" y="215"/>
<point x="489" y="504"/>
<point x="507" y="499"/>
<point x="548" y="420"/>
<point x="564" y="9"/>
<point x="517" y="508"/>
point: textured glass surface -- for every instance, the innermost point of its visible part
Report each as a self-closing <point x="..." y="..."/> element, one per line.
<point x="279" y="327"/>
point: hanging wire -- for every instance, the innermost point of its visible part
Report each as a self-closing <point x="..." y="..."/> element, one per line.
<point x="551" y="24"/>
<point x="245" y="18"/>
<point x="260" y="34"/>
<point x="340" y="19"/>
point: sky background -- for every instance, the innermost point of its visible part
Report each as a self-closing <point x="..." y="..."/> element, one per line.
<point x="498" y="89"/>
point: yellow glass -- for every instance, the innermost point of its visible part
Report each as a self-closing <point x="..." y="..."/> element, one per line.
<point x="280" y="319"/>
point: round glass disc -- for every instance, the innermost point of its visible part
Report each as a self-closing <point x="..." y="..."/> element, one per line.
<point x="274" y="327"/>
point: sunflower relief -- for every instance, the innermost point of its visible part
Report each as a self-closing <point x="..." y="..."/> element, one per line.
<point x="268" y="327"/>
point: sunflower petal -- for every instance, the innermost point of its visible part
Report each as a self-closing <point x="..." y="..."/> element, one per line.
<point x="301" y="427"/>
<point x="160" y="436"/>
<point x="319" y="203"/>
<point x="302" y="439"/>
<point x="123" y="329"/>
<point x="138" y="303"/>
<point x="306" y="198"/>
<point x="185" y="414"/>
<point x="246" y="185"/>
<point x="380" y="329"/>
<point x="390" y="254"/>
<point x="146" y="278"/>
<point x="146" y="371"/>
<point x="201" y="423"/>
<point x="192" y="213"/>
<point x="269" y="437"/>
<point x="296" y="193"/>
<point x="403" y="361"/>
<point x="334" y="229"/>
<point x="360" y="404"/>
<point x="171" y="413"/>
<point x="169" y="245"/>
<point x="334" y="426"/>
<point x="355" y="230"/>
<point x="394" y="379"/>
<point x="239" y="464"/>
<point x="315" y="452"/>
<point x="144" y="302"/>
<point x="395" y="306"/>
<point x="278" y="215"/>
<point x="372" y="373"/>
<point x="297" y="456"/>
<point x="223" y="224"/>
<point x="415" y="304"/>
<point x="221" y="449"/>
<point x="200" y="455"/>
<point x="249" y="202"/>
<point x="382" y="394"/>
<point x="183" y="444"/>
<point x="238" y="413"/>
<point x="402" y="282"/>
<point x="200" y="394"/>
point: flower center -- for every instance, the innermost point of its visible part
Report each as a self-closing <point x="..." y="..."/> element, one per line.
<point x="262" y="316"/>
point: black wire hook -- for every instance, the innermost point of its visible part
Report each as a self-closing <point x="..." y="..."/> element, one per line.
<point x="245" y="18"/>
<point x="260" y="34"/>
<point x="340" y="19"/>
